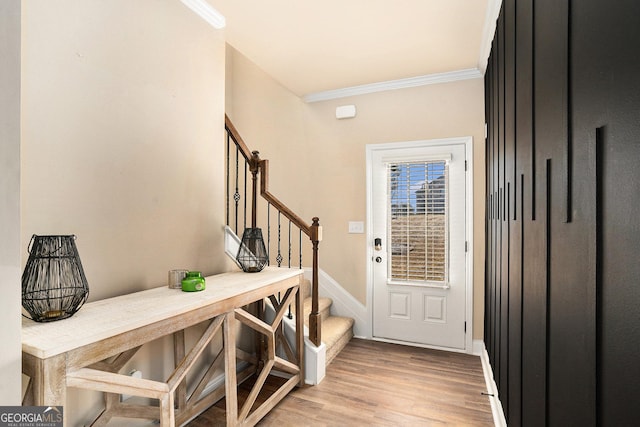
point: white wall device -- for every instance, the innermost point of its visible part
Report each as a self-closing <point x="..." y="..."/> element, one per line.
<point x="345" y="112"/>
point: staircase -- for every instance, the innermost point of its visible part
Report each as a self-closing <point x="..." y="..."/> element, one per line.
<point x="337" y="331"/>
<point x="284" y="230"/>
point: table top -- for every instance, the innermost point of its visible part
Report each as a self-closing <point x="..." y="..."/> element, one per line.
<point x="109" y="317"/>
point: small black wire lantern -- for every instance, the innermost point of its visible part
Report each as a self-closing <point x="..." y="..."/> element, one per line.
<point x="252" y="254"/>
<point x="54" y="286"/>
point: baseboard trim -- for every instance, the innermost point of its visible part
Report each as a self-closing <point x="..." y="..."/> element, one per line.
<point x="415" y="344"/>
<point x="492" y="389"/>
<point x="478" y="348"/>
<point x="218" y="380"/>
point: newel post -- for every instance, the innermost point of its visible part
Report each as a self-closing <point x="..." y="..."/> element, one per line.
<point x="315" y="331"/>
<point x="254" y="166"/>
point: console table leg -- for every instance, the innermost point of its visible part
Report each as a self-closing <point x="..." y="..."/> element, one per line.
<point x="178" y="355"/>
<point x="167" y="411"/>
<point x="231" y="383"/>
<point x="48" y="377"/>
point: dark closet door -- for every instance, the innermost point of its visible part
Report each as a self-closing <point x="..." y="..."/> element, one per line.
<point x="562" y="312"/>
<point x="606" y="70"/>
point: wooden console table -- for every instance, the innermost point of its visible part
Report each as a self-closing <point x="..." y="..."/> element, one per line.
<point x="89" y="349"/>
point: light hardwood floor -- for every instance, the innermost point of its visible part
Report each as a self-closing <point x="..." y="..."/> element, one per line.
<point x="379" y="384"/>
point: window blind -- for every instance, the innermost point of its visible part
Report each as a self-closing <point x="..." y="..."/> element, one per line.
<point x="417" y="225"/>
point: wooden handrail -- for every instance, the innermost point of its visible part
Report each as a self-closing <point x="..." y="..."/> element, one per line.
<point x="264" y="192"/>
<point x="235" y="135"/>
<point x="313" y="231"/>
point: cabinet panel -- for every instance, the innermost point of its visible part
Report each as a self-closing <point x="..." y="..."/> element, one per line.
<point x="562" y="323"/>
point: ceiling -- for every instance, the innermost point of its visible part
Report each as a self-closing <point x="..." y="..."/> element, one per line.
<point x="315" y="46"/>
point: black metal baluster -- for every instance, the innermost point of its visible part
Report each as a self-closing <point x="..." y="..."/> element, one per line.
<point x="227" y="173"/>
<point x="289" y="314"/>
<point x="300" y="248"/>
<point x="236" y="195"/>
<point x="269" y="233"/>
<point x="245" y="193"/>
<point x="289" y="243"/>
<point x="279" y="257"/>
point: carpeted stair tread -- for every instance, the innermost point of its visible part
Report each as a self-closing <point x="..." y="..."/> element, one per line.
<point x="306" y="288"/>
<point x="336" y="333"/>
<point x="324" y="307"/>
<point x="334" y="327"/>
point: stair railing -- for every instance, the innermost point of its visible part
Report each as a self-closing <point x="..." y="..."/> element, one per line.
<point x="248" y="165"/>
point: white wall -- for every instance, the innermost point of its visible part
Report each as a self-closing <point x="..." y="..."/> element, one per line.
<point x="10" y="268"/>
<point x="123" y="146"/>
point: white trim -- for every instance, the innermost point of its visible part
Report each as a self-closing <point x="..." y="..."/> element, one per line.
<point x="315" y="358"/>
<point x="496" y="407"/>
<point x="205" y="11"/>
<point x="488" y="32"/>
<point x="315" y="362"/>
<point x="218" y="380"/>
<point x="430" y="79"/>
<point x="419" y="345"/>
<point x="231" y="244"/>
<point x="478" y="347"/>
<point x="468" y="143"/>
<point x="469" y="240"/>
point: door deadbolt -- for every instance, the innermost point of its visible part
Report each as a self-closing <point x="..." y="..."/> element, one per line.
<point x="378" y="259"/>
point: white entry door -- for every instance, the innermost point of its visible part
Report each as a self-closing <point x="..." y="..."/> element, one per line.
<point x="418" y="195"/>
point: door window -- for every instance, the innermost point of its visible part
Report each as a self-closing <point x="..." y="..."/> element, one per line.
<point x="417" y="222"/>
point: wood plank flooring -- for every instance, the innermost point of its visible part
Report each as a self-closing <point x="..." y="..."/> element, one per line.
<point x="379" y="384"/>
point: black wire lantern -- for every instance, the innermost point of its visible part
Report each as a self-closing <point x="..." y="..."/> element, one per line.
<point x="252" y="254"/>
<point x="54" y="286"/>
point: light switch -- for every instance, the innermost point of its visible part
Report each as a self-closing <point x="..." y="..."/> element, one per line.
<point x="356" y="227"/>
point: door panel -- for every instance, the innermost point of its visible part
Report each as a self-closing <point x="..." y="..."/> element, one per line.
<point x="419" y="270"/>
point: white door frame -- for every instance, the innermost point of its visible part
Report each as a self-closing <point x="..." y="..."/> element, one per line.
<point x="468" y="144"/>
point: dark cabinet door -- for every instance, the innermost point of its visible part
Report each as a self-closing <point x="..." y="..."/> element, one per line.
<point x="562" y="323"/>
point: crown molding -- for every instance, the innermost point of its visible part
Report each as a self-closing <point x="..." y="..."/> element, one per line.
<point x="488" y="32"/>
<point x="206" y="12"/>
<point x="430" y="79"/>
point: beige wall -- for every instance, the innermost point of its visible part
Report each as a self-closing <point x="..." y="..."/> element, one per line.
<point x="318" y="162"/>
<point x="10" y="267"/>
<point x="122" y="105"/>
